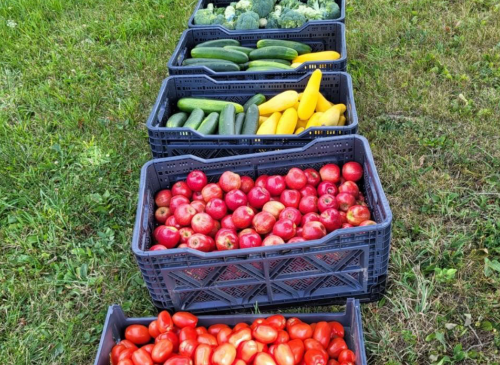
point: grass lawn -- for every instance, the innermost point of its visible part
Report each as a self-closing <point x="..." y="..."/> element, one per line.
<point x="77" y="81"/>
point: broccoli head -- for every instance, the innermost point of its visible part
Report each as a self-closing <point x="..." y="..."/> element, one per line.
<point x="291" y="19"/>
<point x="263" y="7"/>
<point x="243" y="5"/>
<point x="310" y="13"/>
<point x="219" y="20"/>
<point x="248" y="20"/>
<point x="230" y="13"/>
<point x="328" y="8"/>
<point x="272" y="18"/>
<point x="290" y="4"/>
<point x="205" y="16"/>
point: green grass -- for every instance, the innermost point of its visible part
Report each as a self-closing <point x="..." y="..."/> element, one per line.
<point x="77" y="81"/>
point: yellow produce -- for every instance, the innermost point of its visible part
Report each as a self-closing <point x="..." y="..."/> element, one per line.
<point x="262" y="119"/>
<point x="288" y="122"/>
<point x="301" y="123"/>
<point x="296" y="105"/>
<point x="296" y="64"/>
<point x="300" y="95"/>
<point x="280" y="102"/>
<point x="342" y="120"/>
<point x="323" y="105"/>
<point x="332" y="116"/>
<point x="314" y="120"/>
<point x="317" y="56"/>
<point x="299" y="130"/>
<point x="269" y="126"/>
<point x="310" y="97"/>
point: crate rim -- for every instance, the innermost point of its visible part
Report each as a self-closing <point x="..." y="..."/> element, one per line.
<point x="259" y="250"/>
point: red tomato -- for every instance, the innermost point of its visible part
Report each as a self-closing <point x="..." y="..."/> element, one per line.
<point x="332" y="362"/>
<point x="337" y="329"/>
<point x="162" y="350"/>
<point x="223" y="335"/>
<point x="215" y="328"/>
<point x="292" y="321"/>
<point x="138" y="334"/>
<point x="165" y="322"/>
<point x="261" y="347"/>
<point x="186" y="348"/>
<point x="187" y="333"/>
<point x="277" y="321"/>
<point x="172" y="337"/>
<point x="239" y="362"/>
<point x="257" y="322"/>
<point x="148" y="348"/>
<point x="201" y="330"/>
<point x="315" y="357"/>
<point x="298" y="348"/>
<point x="185" y="319"/>
<point x="115" y="351"/>
<point x="128" y="344"/>
<point x="203" y="354"/>
<point x="346" y="363"/>
<point x="153" y="329"/>
<point x="179" y="360"/>
<point x="336" y="347"/>
<point x="283" y="337"/>
<point x="264" y="359"/>
<point x="271" y="350"/>
<point x="125" y="362"/>
<point x="312" y="344"/>
<point x="346" y="356"/>
<point x="224" y="354"/>
<point x="141" y="357"/>
<point x="313" y="326"/>
<point x="126" y="354"/>
<point x="208" y="339"/>
<point x="322" y="333"/>
<point x="284" y="355"/>
<point x="247" y="351"/>
<point x="240" y="326"/>
<point x="265" y="333"/>
<point x="300" y="331"/>
<point x="244" y="334"/>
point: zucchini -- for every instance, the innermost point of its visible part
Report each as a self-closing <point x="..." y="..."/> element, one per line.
<point x="213" y="64"/>
<point x="209" y="124"/>
<point x="221" y="54"/>
<point x="207" y="105"/>
<point x="301" y="48"/>
<point x="259" y="69"/>
<point x="194" y="119"/>
<point x="251" y="123"/>
<point x="245" y="50"/>
<point x="176" y="120"/>
<point x="238" y="125"/>
<point x="226" y="120"/>
<point x="284" y="62"/>
<point x="260" y="63"/>
<point x="257" y="99"/>
<point x="283" y="53"/>
<point x="219" y="43"/>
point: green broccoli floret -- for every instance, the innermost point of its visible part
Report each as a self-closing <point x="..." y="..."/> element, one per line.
<point x="230" y="24"/>
<point x="230" y="13"/>
<point x="204" y="17"/>
<point x="219" y="19"/>
<point x="243" y="5"/>
<point x="263" y="7"/>
<point x="291" y="19"/>
<point x="290" y="4"/>
<point x="328" y="8"/>
<point x="248" y="20"/>
<point x="310" y="13"/>
<point x="272" y="22"/>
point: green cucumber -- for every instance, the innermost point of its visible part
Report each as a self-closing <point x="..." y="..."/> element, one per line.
<point x="209" y="124"/>
<point x="245" y="50"/>
<point x="219" y="43"/>
<point x="277" y="60"/>
<point x="238" y="125"/>
<point x="260" y="63"/>
<point x="213" y="64"/>
<point x="207" y="105"/>
<point x="194" y="119"/>
<point x="257" y="99"/>
<point x="258" y="69"/>
<point x="176" y="120"/>
<point x="251" y="120"/>
<point x="226" y="120"/>
<point x="301" y="48"/>
<point x="283" y="53"/>
<point x="220" y="54"/>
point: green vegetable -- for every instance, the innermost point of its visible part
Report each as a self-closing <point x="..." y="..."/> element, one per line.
<point x="194" y="119"/>
<point x="251" y="122"/>
<point x="220" y="54"/>
<point x="248" y="20"/>
<point x="291" y="19"/>
<point x="309" y="13"/>
<point x="262" y="68"/>
<point x="213" y="64"/>
<point x="176" y="120"/>
<point x="240" y="118"/>
<point x="209" y="124"/>
<point x="290" y="4"/>
<point x="257" y="99"/>
<point x="260" y="63"/>
<point x="226" y="120"/>
<point x="301" y="48"/>
<point x="328" y="8"/>
<point x="205" y="16"/>
<point x="245" y="50"/>
<point x="243" y="5"/>
<point x="263" y="7"/>
<point x="277" y="60"/>
<point x="219" y="43"/>
<point x="207" y="105"/>
<point x="280" y="52"/>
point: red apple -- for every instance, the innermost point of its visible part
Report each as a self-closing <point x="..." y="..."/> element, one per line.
<point x="345" y="201"/>
<point x="157" y="248"/>
<point x="168" y="236"/>
<point x="331" y="219"/>
<point x="226" y="239"/>
<point x="349" y="187"/>
<point x="359" y="202"/>
<point x="198" y="205"/>
<point x="185" y="233"/>
<point x="299" y="230"/>
<point x="352" y="171"/>
<point x="182" y="245"/>
<point x="275" y="185"/>
<point x="312" y="176"/>
<point x="343" y="216"/>
<point x="199" y="242"/>
<point x="246" y="184"/>
<point x="327" y="201"/>
<point x="330" y="172"/>
<point x="357" y="214"/>
<point x="274" y="208"/>
<point x="290" y="198"/>
<point x="261" y="181"/>
<point x="227" y="222"/>
<point x="250" y="240"/>
<point x="202" y="223"/>
<point x="214" y="230"/>
<point x="162" y="213"/>
<point x="296" y="178"/>
<point x="273" y="240"/>
<point x="367" y="223"/>
<point x="181" y="188"/>
<point x="216" y="208"/>
<point x="172" y="222"/>
<point x="296" y="239"/>
<point x="184" y="213"/>
<point x="313" y="231"/>
<point x="212" y="244"/>
<point x="284" y="228"/>
<point x="361" y="197"/>
<point x="196" y="180"/>
<point x="310" y="217"/>
<point x="263" y="222"/>
<point x="292" y="214"/>
<point x="242" y="217"/>
<point x="246" y="231"/>
<point x="308" y="190"/>
<point x="347" y="225"/>
<point x="308" y="204"/>
<point x="197" y="196"/>
<point x="258" y="196"/>
<point x="163" y="197"/>
<point x="326" y="187"/>
<point x="176" y="201"/>
<point x="211" y="191"/>
<point x="229" y="181"/>
<point x="235" y="199"/>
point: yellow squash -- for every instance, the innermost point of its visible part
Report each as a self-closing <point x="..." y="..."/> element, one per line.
<point x="269" y="126"/>
<point x="299" y="130"/>
<point x="280" y="102"/>
<point x="288" y="122"/>
<point x="262" y="119"/>
<point x="301" y="123"/>
<point x="310" y="97"/>
<point x="317" y="56"/>
<point x="314" y="120"/>
<point x="296" y="64"/>
<point x="342" y="120"/>
<point x="323" y="105"/>
<point x="296" y="105"/>
<point x="332" y="116"/>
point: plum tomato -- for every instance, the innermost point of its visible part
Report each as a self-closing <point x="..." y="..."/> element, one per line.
<point x="185" y="319"/>
<point x="138" y="334"/>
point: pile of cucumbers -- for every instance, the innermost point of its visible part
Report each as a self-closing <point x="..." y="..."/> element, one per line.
<point x="220" y="117"/>
<point x="227" y="55"/>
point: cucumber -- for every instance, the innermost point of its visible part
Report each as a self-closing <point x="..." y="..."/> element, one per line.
<point x="245" y="50"/>
<point x="219" y="43"/>
<point x="226" y="120"/>
<point x="257" y="99"/>
<point x="207" y="105"/>
<point x="209" y="124"/>
<point x="213" y="64"/>
<point x="258" y="69"/>
<point x="283" y="53"/>
<point x="238" y="125"/>
<point x="194" y="119"/>
<point x="221" y="54"/>
<point x="176" y="120"/>
<point x="277" y="60"/>
<point x="260" y="63"/>
<point x="243" y="66"/>
<point x="251" y="120"/>
<point x="301" y="48"/>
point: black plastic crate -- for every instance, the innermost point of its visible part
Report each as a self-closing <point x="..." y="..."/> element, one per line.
<point x="116" y="323"/>
<point x="335" y="86"/>
<point x="346" y="263"/>
<point x="321" y="36"/>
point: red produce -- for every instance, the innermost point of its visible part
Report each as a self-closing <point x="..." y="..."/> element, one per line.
<point x="261" y="181"/>
<point x="308" y="204"/>
<point x="176" y="201"/>
<point x="229" y="181"/>
<point x="273" y="240"/>
<point x="172" y="222"/>
<point x="202" y="223"/>
<point x="284" y="228"/>
<point x="290" y="198"/>
<point x="196" y="180"/>
<point x="352" y="171"/>
<point x="291" y="213"/>
<point x="308" y="190"/>
<point x="298" y="233"/>
<point x="235" y="199"/>
<point x="211" y="191"/>
<point x="198" y="196"/>
<point x="198" y="205"/>
<point x="246" y="231"/>
<point x="184" y="213"/>
<point x="185" y="233"/>
<point x="327" y="201"/>
<point x="214" y="230"/>
<point x="313" y="230"/>
<point x="263" y="222"/>
<point x="349" y="187"/>
<point x="275" y="185"/>
<point x="247" y="351"/>
<point x="181" y="188"/>
<point x="199" y="242"/>
<point x="226" y="239"/>
<point x="330" y="172"/>
<point x="162" y="213"/>
<point x="168" y="236"/>
<point x="296" y="179"/>
<point x="258" y="196"/>
<point x="250" y="240"/>
<point x="227" y="222"/>
<point x="216" y="208"/>
<point x="157" y="248"/>
<point x="336" y="346"/>
<point x="347" y="225"/>
<point x="331" y="219"/>
<point x="345" y="201"/>
<point x="137" y="334"/>
<point x="312" y="176"/>
<point x="343" y="216"/>
<point x="357" y="214"/>
<point x="326" y="187"/>
<point x="296" y="239"/>
<point x="242" y="217"/>
<point x="224" y="354"/>
<point x="347" y="356"/>
<point x="367" y="223"/>
<point x="163" y="197"/>
<point x="247" y="184"/>
<point x="273" y="207"/>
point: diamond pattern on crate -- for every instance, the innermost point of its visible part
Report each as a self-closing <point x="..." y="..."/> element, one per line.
<point x="198" y="274"/>
<point x="204" y="296"/>
<point x="297" y="265"/>
<point x="232" y="272"/>
<point x="237" y="291"/>
<point x="300" y="284"/>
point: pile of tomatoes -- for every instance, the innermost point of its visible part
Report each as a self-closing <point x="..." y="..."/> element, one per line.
<point x="178" y="340"/>
<point x="238" y="212"/>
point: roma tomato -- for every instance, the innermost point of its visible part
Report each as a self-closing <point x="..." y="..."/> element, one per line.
<point x="265" y="333"/>
<point x="179" y="360"/>
<point x="128" y="344"/>
<point x="208" y="339"/>
<point x="292" y="321"/>
<point x="346" y="356"/>
<point x="257" y="322"/>
<point x="172" y="337"/>
<point x="271" y="350"/>
<point x="224" y="354"/>
<point x="315" y="357"/>
<point x="337" y="329"/>
<point x="322" y="333"/>
<point x="186" y="348"/>
<point x="301" y="331"/>
<point x="264" y="359"/>
<point x="141" y="357"/>
<point x="313" y="326"/>
<point x="312" y="344"/>
<point x="126" y="354"/>
<point x="346" y="363"/>
<point x="187" y="333"/>
<point x="203" y="355"/>
<point x="153" y="329"/>
<point x="239" y="362"/>
<point x="336" y="347"/>
<point x="137" y="334"/>
<point x="284" y="355"/>
<point x="277" y="321"/>
<point x="185" y="319"/>
<point x="283" y="337"/>
<point x="244" y="334"/>
<point x="332" y="362"/>
<point x="223" y="335"/>
<point x="162" y="351"/>
<point x="115" y="351"/>
<point x="165" y="322"/>
<point x="240" y="326"/>
<point x="215" y="328"/>
<point x="297" y="347"/>
<point x="148" y="348"/>
<point x="201" y="330"/>
<point x="125" y="362"/>
<point x="247" y="351"/>
<point x="261" y="347"/>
